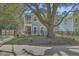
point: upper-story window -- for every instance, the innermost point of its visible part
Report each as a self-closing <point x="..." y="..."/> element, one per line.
<point x="35" y="19"/>
<point x="28" y="19"/>
<point x="75" y="20"/>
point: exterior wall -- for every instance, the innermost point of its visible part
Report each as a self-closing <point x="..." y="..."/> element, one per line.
<point x="76" y="25"/>
<point x="38" y="24"/>
<point x="76" y="22"/>
<point x="26" y="24"/>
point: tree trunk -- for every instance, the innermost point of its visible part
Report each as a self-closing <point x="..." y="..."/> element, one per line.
<point x="0" y="32"/>
<point x="51" y="34"/>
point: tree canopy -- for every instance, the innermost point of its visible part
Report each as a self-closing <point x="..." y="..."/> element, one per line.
<point x="47" y="13"/>
<point x="9" y="14"/>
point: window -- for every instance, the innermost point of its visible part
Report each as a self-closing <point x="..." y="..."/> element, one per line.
<point x="42" y="31"/>
<point x="35" y="19"/>
<point x="76" y="31"/>
<point x="28" y="19"/>
<point x="75" y="20"/>
<point x="35" y="30"/>
<point x="76" y="14"/>
<point x="28" y="30"/>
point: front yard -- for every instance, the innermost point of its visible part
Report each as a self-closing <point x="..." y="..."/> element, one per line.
<point x="39" y="40"/>
<point x="3" y="37"/>
<point x="75" y="37"/>
<point x="27" y="39"/>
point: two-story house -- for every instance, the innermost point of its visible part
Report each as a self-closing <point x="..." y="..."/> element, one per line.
<point x="32" y="26"/>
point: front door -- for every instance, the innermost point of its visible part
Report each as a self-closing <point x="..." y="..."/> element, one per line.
<point x="28" y="30"/>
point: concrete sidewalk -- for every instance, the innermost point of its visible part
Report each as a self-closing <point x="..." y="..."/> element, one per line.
<point x="38" y="50"/>
<point x="5" y="40"/>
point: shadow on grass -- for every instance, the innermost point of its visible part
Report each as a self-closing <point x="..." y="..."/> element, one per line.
<point x="43" y="41"/>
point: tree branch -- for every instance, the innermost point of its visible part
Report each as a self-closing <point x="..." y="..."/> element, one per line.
<point x="38" y="14"/>
<point x="65" y="15"/>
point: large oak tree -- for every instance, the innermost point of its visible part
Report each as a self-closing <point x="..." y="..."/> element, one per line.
<point x="47" y="13"/>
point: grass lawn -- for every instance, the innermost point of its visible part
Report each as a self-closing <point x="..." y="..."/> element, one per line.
<point x="3" y="37"/>
<point x="75" y="37"/>
<point x="60" y="39"/>
<point x="16" y="39"/>
<point x="23" y="38"/>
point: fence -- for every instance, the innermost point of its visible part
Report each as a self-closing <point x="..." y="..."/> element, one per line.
<point x="8" y="32"/>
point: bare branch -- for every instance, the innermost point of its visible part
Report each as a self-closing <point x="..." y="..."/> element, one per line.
<point x="66" y="15"/>
<point x="38" y="14"/>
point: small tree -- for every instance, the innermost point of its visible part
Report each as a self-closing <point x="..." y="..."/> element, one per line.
<point x="9" y="15"/>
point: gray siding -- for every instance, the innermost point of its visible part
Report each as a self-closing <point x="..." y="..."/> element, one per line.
<point x="38" y="24"/>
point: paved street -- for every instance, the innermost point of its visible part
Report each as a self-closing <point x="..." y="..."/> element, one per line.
<point x="38" y="50"/>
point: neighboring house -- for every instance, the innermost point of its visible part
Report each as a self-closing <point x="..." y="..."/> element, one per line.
<point x="76" y="21"/>
<point x="32" y="26"/>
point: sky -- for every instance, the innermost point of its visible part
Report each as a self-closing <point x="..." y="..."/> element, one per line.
<point x="66" y="25"/>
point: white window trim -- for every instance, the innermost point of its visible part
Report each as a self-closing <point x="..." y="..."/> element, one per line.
<point x="40" y="29"/>
<point x="36" y="30"/>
